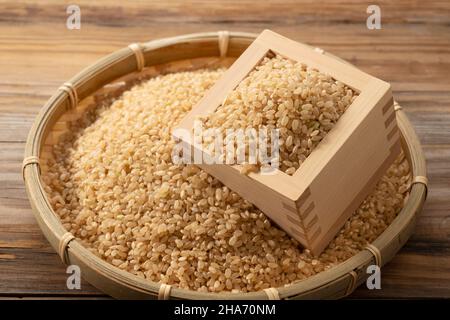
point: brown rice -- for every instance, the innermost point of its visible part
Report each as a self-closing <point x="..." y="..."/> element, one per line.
<point x="114" y="187"/>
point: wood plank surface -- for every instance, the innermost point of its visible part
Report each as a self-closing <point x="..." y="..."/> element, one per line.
<point x="411" y="51"/>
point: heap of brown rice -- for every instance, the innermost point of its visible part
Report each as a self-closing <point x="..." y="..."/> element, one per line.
<point x="115" y="188"/>
<point x="301" y="102"/>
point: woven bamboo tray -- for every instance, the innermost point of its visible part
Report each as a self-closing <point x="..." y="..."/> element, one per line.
<point x="109" y="77"/>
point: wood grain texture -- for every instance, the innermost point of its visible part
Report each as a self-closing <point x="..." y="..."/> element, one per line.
<point x="412" y="52"/>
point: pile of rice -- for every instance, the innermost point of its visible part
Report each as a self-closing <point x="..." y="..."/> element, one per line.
<point x="114" y="187"/>
<point x="301" y="102"/>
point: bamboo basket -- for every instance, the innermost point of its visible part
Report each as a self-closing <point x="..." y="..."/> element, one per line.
<point x="111" y="75"/>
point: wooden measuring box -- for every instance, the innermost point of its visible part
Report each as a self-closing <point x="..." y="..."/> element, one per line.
<point x="313" y="204"/>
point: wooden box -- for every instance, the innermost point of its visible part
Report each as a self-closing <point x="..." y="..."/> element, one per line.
<point x="314" y="203"/>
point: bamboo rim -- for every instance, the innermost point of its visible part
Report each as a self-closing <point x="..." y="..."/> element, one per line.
<point x="336" y="282"/>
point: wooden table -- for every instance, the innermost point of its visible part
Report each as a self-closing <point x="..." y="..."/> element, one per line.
<point x="411" y="51"/>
